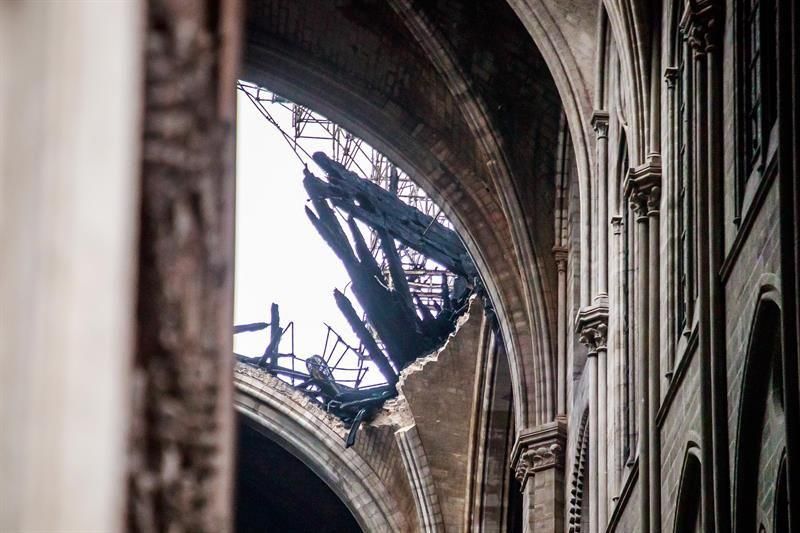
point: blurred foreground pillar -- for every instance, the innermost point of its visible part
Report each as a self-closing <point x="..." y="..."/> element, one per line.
<point x="181" y="438"/>
<point x="70" y="117"/>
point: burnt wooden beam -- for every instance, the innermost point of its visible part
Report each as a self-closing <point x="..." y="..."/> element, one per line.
<point x="269" y="358"/>
<point x="380" y="209"/>
<point x="244" y="328"/>
<point x="361" y="331"/>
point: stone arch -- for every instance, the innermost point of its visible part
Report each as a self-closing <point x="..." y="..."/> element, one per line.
<point x="780" y="518"/>
<point x="570" y="62"/>
<point x="688" y="511"/>
<point x="489" y="141"/>
<point x="464" y="177"/>
<point x="628" y="24"/>
<point x="310" y="436"/>
<point x="761" y="380"/>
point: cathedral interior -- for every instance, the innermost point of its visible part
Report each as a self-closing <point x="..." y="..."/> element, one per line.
<point x="613" y="346"/>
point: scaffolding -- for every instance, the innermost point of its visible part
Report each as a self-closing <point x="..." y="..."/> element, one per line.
<point x="311" y="132"/>
<point x="422" y="299"/>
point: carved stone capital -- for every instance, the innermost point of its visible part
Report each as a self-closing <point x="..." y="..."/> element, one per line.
<point x="600" y="124"/>
<point x="700" y="25"/>
<point x="561" y="255"/>
<point x="642" y="188"/>
<point x="653" y="200"/>
<point x="591" y="325"/>
<point x="616" y="224"/>
<point x="538" y="449"/>
<point x="671" y="77"/>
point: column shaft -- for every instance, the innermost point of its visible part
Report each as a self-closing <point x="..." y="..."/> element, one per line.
<point x="654" y="374"/>
<point x="594" y="440"/>
<point x="601" y="386"/>
<point x="602" y="216"/>
<point x="642" y="289"/>
<point x="703" y="334"/>
<point x="561" y="264"/>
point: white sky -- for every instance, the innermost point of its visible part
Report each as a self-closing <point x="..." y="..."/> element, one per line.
<point x="279" y="255"/>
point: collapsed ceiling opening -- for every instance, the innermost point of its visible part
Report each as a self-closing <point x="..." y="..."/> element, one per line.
<point x="409" y="271"/>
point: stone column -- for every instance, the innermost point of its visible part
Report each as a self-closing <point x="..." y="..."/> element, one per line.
<point x="616" y="403"/>
<point x="592" y="328"/>
<point x="69" y="156"/>
<point x="600" y="125"/>
<point x="671" y="186"/>
<point x="560" y="255"/>
<point x="538" y="463"/>
<point x="695" y="27"/>
<point x="642" y="185"/>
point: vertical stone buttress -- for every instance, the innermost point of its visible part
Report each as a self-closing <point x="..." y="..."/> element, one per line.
<point x="181" y="436"/>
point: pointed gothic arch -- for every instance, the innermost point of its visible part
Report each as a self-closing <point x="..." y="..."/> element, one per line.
<point x="688" y="511"/>
<point x="760" y="434"/>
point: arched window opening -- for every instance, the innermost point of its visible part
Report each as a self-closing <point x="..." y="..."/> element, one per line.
<point x="688" y="511"/>
<point x="781" y="506"/>
<point x="761" y="432"/>
<point x="406" y="276"/>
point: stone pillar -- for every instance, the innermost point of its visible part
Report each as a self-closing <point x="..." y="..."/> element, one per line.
<point x="560" y="255"/>
<point x="538" y="463"/>
<point x="599" y="384"/>
<point x="654" y="375"/>
<point x="181" y="441"/>
<point x="671" y="186"/>
<point x="592" y="328"/>
<point x="701" y="25"/>
<point x="600" y="125"/>
<point x="616" y="403"/>
<point x="69" y="155"/>
<point x="642" y="187"/>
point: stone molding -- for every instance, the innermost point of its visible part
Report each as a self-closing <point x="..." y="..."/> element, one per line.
<point x="671" y="77"/>
<point x="600" y="123"/>
<point x="700" y="25"/>
<point x="642" y="188"/>
<point x="616" y="224"/>
<point x="538" y="449"/>
<point x="591" y="325"/>
<point x="561" y="255"/>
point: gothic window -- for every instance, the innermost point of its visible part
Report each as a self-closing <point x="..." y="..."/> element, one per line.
<point x="757" y="87"/>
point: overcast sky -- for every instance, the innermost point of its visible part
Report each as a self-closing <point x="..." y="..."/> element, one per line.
<point x="279" y="256"/>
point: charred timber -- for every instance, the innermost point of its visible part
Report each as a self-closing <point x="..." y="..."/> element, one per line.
<point x="405" y="326"/>
<point x="382" y="210"/>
